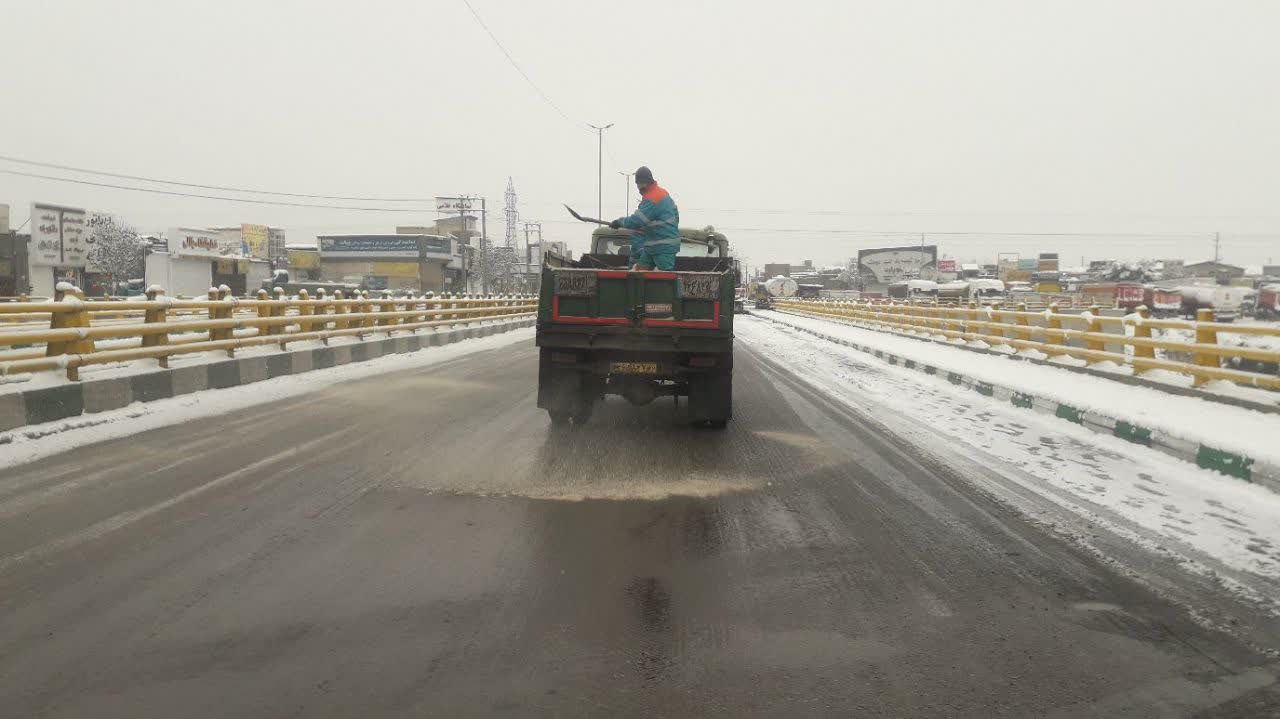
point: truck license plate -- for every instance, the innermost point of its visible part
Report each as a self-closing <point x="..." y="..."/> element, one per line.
<point x="634" y="368"/>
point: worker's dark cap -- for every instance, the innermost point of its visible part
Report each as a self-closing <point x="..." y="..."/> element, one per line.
<point x="644" y="174"/>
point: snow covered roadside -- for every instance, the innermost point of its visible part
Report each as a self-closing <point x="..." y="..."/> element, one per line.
<point x="33" y="442"/>
<point x="1213" y="424"/>
<point x="1202" y="518"/>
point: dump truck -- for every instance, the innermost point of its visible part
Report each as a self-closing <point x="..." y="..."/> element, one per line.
<point x="605" y="330"/>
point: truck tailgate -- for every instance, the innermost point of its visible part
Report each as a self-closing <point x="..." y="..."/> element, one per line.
<point x="691" y="300"/>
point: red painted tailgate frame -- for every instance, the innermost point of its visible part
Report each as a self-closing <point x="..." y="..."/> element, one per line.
<point x="711" y="324"/>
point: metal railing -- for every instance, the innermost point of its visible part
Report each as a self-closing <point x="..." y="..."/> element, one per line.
<point x="70" y="332"/>
<point x="1129" y="340"/>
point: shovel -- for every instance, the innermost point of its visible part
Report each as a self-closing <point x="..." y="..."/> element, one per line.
<point x="580" y="218"/>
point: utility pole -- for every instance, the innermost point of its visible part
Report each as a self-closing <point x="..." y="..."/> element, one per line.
<point x="535" y="227"/>
<point x="485" y="260"/>
<point x="626" y="190"/>
<point x="1217" y="247"/>
<point x="599" y="166"/>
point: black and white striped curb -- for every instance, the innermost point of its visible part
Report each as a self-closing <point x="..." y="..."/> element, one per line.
<point x="1229" y="463"/>
<point x="48" y="404"/>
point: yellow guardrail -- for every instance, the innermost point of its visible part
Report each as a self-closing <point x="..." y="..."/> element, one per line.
<point x="76" y="332"/>
<point x="1082" y="336"/>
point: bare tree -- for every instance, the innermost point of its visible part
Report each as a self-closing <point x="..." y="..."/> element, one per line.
<point x="114" y="246"/>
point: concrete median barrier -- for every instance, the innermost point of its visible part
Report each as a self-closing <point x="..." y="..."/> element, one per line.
<point x="48" y="404"/>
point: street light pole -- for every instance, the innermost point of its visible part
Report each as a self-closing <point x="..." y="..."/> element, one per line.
<point x="626" y="190"/>
<point x="600" y="166"/>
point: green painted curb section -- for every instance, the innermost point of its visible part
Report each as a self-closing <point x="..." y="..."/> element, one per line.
<point x="984" y="388"/>
<point x="1069" y="413"/>
<point x="954" y="378"/>
<point x="909" y="364"/>
<point x="929" y="369"/>
<point x="1023" y="400"/>
<point x="1235" y="465"/>
<point x="1133" y="433"/>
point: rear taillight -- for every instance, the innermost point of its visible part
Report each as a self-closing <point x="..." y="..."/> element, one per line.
<point x="702" y="361"/>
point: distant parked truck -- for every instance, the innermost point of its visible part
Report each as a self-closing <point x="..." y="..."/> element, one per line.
<point x="781" y="286"/>
<point x="1162" y="302"/>
<point x="1124" y="295"/>
<point x="1268" y="307"/>
<point x="985" y="289"/>
<point x="1224" y="300"/>
<point x="913" y="289"/>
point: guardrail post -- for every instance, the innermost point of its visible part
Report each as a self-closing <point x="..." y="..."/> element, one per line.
<point x="76" y="319"/>
<point x="1205" y="336"/>
<point x="1143" y="331"/>
<point x="155" y="293"/>
<point x="304" y="325"/>
<point x="1094" y="326"/>
<point x="321" y="311"/>
<point x="213" y="312"/>
<point x="1053" y="321"/>
<point x="1021" y="321"/>
<point x="264" y="312"/>
<point x="339" y="308"/>
<point x="278" y="309"/>
<point x="224" y="313"/>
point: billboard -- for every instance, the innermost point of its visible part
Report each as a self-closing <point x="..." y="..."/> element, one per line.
<point x="453" y="204"/>
<point x="395" y="269"/>
<point x="59" y="237"/>
<point x="368" y="246"/>
<point x="304" y="259"/>
<point x="255" y="239"/>
<point x="191" y="242"/>
<point x="948" y="266"/>
<point x="433" y="246"/>
<point x="886" y="265"/>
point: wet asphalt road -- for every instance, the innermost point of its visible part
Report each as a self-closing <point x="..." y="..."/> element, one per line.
<point x="425" y="544"/>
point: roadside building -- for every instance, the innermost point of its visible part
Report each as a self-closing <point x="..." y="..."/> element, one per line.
<point x="304" y="262"/>
<point x="13" y="264"/>
<point x="1213" y="269"/>
<point x="197" y="259"/>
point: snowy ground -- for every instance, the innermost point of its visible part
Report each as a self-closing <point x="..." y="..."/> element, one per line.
<point x="1215" y="424"/>
<point x="1215" y="523"/>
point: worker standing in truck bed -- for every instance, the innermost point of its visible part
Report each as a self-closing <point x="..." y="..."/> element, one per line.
<point x="656" y="222"/>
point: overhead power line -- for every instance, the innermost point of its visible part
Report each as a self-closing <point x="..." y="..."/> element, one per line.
<point x="224" y="188"/>
<point x="221" y="198"/>
<point x="515" y="64"/>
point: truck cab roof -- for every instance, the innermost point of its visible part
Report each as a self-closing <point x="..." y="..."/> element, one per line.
<point x="705" y="242"/>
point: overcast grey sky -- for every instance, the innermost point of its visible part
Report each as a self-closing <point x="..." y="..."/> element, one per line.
<point x="1158" y="120"/>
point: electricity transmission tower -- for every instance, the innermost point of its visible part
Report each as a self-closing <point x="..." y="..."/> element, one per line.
<point x="513" y="216"/>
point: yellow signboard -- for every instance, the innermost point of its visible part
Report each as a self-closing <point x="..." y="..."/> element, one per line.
<point x="255" y="238"/>
<point x="304" y="259"/>
<point x="395" y="269"/>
